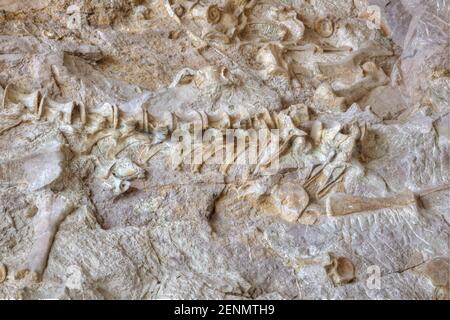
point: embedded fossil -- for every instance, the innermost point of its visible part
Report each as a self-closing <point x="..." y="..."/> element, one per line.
<point x="273" y="24"/>
<point x="133" y="113"/>
<point x="133" y="117"/>
<point x="52" y="210"/>
<point x="341" y="270"/>
<point x="54" y="110"/>
<point x="120" y="173"/>
<point x="339" y="205"/>
<point x="268" y="147"/>
<point x="106" y="114"/>
<point x="373" y="77"/>
<point x="375" y="20"/>
<point x="285" y="199"/>
<point x="350" y="66"/>
<point x="324" y="27"/>
<point x="214" y="77"/>
<point x="330" y="158"/>
<point x="288" y="18"/>
<point x="213" y="14"/>
<point x="290" y="199"/>
<point x="353" y="78"/>
<point x="214" y="23"/>
<point x="3" y="272"/>
<point x="122" y="87"/>
<point x="28" y="100"/>
<point x="35" y="168"/>
<point x="273" y="60"/>
<point x="326" y="98"/>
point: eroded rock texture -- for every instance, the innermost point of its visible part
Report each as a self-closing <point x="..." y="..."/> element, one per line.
<point x="345" y="197"/>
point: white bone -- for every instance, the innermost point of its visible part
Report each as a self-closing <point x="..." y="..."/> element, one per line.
<point x="28" y="100"/>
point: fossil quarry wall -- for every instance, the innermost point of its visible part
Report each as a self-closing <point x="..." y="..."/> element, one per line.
<point x="224" y="149"/>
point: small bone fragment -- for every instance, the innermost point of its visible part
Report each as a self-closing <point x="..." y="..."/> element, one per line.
<point x="273" y="60"/>
<point x="342" y="204"/>
<point x="324" y="27"/>
<point x="341" y="270"/>
<point x="326" y="98"/>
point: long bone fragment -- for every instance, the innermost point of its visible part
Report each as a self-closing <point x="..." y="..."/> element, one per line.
<point x="52" y="210"/>
<point x="373" y="77"/>
<point x="342" y="204"/>
<point x="351" y="63"/>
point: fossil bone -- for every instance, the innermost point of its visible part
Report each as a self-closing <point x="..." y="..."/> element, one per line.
<point x="290" y="199"/>
<point x="340" y="204"/>
<point x="183" y="76"/>
<point x="134" y="112"/>
<point x="324" y="27"/>
<point x="373" y="77"/>
<point x="3" y="272"/>
<point x="285" y="199"/>
<point x="351" y="64"/>
<point x="52" y="210"/>
<point x="288" y="18"/>
<point x="28" y="100"/>
<point x="326" y="98"/>
<point x="120" y="173"/>
<point x="105" y="114"/>
<point x="214" y="23"/>
<point x="52" y="110"/>
<point x="341" y="270"/>
<point x="35" y="168"/>
<point x="272" y="58"/>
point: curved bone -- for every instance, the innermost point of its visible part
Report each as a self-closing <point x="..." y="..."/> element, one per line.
<point x="107" y="112"/>
<point x="218" y="120"/>
<point x="189" y="118"/>
<point x="54" y="110"/>
<point x="29" y="100"/>
<point x="134" y="111"/>
<point x="183" y="76"/>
